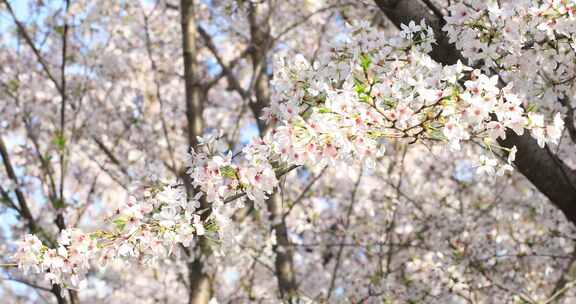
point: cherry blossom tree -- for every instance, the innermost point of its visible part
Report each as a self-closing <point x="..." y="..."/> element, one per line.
<point x="330" y="151"/>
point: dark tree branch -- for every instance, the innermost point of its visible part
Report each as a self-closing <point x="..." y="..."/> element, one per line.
<point x="111" y="156"/>
<point x="62" y="149"/>
<point x="25" y="211"/>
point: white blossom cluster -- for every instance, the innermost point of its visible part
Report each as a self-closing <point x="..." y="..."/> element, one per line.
<point x="220" y="178"/>
<point x="146" y="228"/>
<point x="528" y="43"/>
<point x="374" y="89"/>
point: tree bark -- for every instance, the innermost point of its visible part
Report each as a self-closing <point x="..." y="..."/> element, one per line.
<point x="283" y="263"/>
<point x="200" y="283"/>
<point x="549" y="174"/>
<point x="194" y="106"/>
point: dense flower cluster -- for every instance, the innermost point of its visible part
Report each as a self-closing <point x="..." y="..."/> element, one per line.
<point x="147" y="228"/>
<point x="220" y="178"/>
<point x="375" y="89"/>
<point x="501" y="38"/>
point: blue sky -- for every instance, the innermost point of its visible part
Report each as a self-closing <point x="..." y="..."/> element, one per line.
<point x="20" y="8"/>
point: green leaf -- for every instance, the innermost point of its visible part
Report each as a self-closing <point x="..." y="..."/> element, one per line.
<point x="365" y="98"/>
<point x="58" y="204"/>
<point x="365" y="62"/>
<point x="120" y="223"/>
<point x="13" y="85"/>
<point x="435" y="133"/>
<point x="359" y="88"/>
<point x="59" y="29"/>
<point x="389" y="102"/>
<point x="228" y="171"/>
<point x="211" y="226"/>
<point x="60" y="142"/>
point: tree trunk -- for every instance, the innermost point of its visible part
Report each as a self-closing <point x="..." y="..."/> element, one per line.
<point x="200" y="285"/>
<point x="284" y="265"/>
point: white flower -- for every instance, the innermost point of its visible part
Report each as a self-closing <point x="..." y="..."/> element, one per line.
<point x="126" y="249"/>
<point x="64" y="238"/>
<point x="406" y="31"/>
<point x="404" y="229"/>
<point x="503" y="169"/>
<point x="199" y="229"/>
<point x="455" y="132"/>
<point x="404" y="113"/>
<point x="487" y="165"/>
<point x="554" y="131"/>
<point x="496" y="130"/>
<point x="168" y="216"/>
<point x="52" y="260"/>
<point x="170" y="195"/>
<point x="28" y="253"/>
<point x="540" y="137"/>
<point x="512" y="154"/>
<point x="213" y="301"/>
